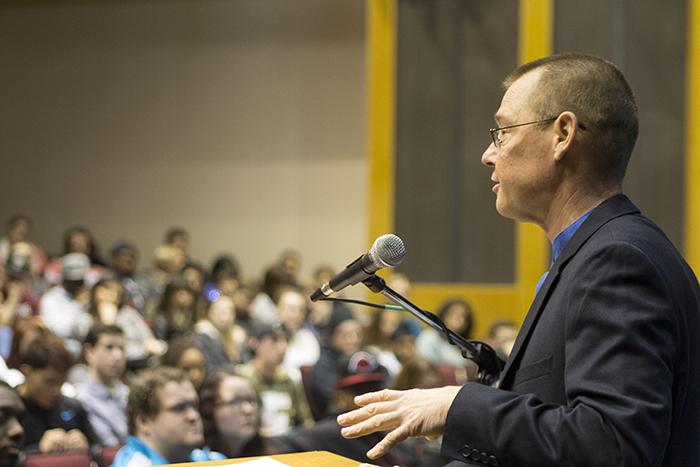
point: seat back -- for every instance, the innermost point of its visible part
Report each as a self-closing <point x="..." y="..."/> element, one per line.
<point x="67" y="459"/>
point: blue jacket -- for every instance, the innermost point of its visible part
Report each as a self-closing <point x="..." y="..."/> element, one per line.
<point x="136" y="453"/>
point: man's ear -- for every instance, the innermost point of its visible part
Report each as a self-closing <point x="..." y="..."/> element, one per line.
<point x="565" y="129"/>
<point x="25" y="369"/>
<point x="87" y="352"/>
<point x="142" y="425"/>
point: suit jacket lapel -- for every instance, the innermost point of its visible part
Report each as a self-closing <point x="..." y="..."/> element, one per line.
<point x="609" y="209"/>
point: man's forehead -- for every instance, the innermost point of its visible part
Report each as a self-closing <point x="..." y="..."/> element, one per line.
<point x="174" y="392"/>
<point x="10" y="400"/>
<point x="517" y="97"/>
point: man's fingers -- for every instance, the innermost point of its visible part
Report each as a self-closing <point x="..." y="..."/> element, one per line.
<point x="380" y="422"/>
<point x="390" y="440"/>
<point x="379" y="396"/>
<point x="364" y="413"/>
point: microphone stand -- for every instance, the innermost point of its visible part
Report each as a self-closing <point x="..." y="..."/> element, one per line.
<point x="490" y="364"/>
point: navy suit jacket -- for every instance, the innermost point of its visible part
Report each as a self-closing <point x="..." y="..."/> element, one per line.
<point x="606" y="368"/>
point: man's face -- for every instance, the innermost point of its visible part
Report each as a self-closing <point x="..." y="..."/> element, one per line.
<point x="347" y="337"/>
<point x="177" y="426"/>
<point x="125" y="262"/>
<point x="271" y="349"/>
<point x="43" y="386"/>
<point x="11" y="432"/>
<point x="237" y="411"/>
<point x="292" y="309"/>
<point x="107" y="358"/>
<point x="522" y="168"/>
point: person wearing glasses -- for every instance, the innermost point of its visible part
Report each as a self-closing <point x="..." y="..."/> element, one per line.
<point x="606" y="367"/>
<point x="230" y="410"/>
<point x="164" y="422"/>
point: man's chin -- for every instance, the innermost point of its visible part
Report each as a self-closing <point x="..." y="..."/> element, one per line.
<point x="10" y="458"/>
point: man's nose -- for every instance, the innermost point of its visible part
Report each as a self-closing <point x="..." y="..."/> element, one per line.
<point x="15" y="430"/>
<point x="489" y="155"/>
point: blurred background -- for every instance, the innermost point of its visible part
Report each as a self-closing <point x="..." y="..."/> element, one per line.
<point x="315" y="125"/>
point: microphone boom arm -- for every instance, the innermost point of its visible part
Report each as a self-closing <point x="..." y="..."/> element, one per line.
<point x="490" y="364"/>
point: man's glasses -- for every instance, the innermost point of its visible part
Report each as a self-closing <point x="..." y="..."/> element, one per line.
<point x="182" y="407"/>
<point x="238" y="402"/>
<point x="498" y="135"/>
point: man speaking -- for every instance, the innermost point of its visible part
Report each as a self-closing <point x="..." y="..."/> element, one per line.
<point x="606" y="368"/>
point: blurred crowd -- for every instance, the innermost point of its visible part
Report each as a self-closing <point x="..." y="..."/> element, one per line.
<point x="178" y="361"/>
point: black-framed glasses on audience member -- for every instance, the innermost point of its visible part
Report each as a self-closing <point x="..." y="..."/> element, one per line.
<point x="183" y="406"/>
<point x="237" y="402"/>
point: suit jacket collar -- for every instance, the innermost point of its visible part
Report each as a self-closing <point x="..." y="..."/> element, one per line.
<point x="616" y="206"/>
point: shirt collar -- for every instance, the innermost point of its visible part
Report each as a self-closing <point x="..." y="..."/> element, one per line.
<point x="565" y="236"/>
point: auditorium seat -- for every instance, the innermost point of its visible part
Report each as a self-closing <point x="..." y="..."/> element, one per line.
<point x="68" y="459"/>
<point x="107" y="455"/>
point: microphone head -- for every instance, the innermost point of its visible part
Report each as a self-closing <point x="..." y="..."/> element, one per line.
<point x="388" y="251"/>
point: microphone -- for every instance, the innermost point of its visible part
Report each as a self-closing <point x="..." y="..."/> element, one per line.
<point x="386" y="252"/>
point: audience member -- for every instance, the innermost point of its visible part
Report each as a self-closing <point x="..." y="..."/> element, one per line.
<point x="16" y="274"/>
<point x="263" y="307"/>
<point x="18" y="229"/>
<point x="224" y="277"/>
<point x="502" y="336"/>
<point x="194" y="275"/>
<point x="345" y="336"/>
<point x="184" y="353"/>
<point x="124" y="260"/>
<point x="164" y="422"/>
<point x="320" y="311"/>
<point x="303" y="348"/>
<point x="418" y="374"/>
<point x="432" y="345"/>
<point x="176" y="312"/>
<point x="230" y="410"/>
<point x="219" y="338"/>
<point x="403" y="343"/>
<point x="63" y="306"/>
<point x="167" y="262"/>
<point x="179" y="238"/>
<point x="103" y="395"/>
<point x="77" y="239"/>
<point x="11" y="431"/>
<point x="290" y="263"/>
<point x="52" y="422"/>
<point x="141" y="346"/>
<point x="283" y="403"/>
<point x="242" y="299"/>
<point x="377" y="338"/>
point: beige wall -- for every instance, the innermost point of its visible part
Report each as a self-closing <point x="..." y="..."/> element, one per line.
<point x="242" y="120"/>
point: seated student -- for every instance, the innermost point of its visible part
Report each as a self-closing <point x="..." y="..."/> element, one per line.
<point x="283" y="402"/>
<point x="164" y="422"/>
<point x="230" y="411"/>
<point x="184" y="353"/>
<point x="303" y="349"/>
<point x="11" y="431"/>
<point x="103" y="395"/>
<point x="432" y="344"/>
<point x="344" y="338"/>
<point x="52" y="422"/>
<point x="218" y="336"/>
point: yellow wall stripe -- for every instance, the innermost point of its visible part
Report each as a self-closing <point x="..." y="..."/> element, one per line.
<point x="532" y="247"/>
<point x="381" y="82"/>
<point x="692" y="171"/>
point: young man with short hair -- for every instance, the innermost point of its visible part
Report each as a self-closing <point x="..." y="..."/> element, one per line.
<point x="164" y="422"/>
<point x="52" y="422"/>
<point x="103" y="395"/>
